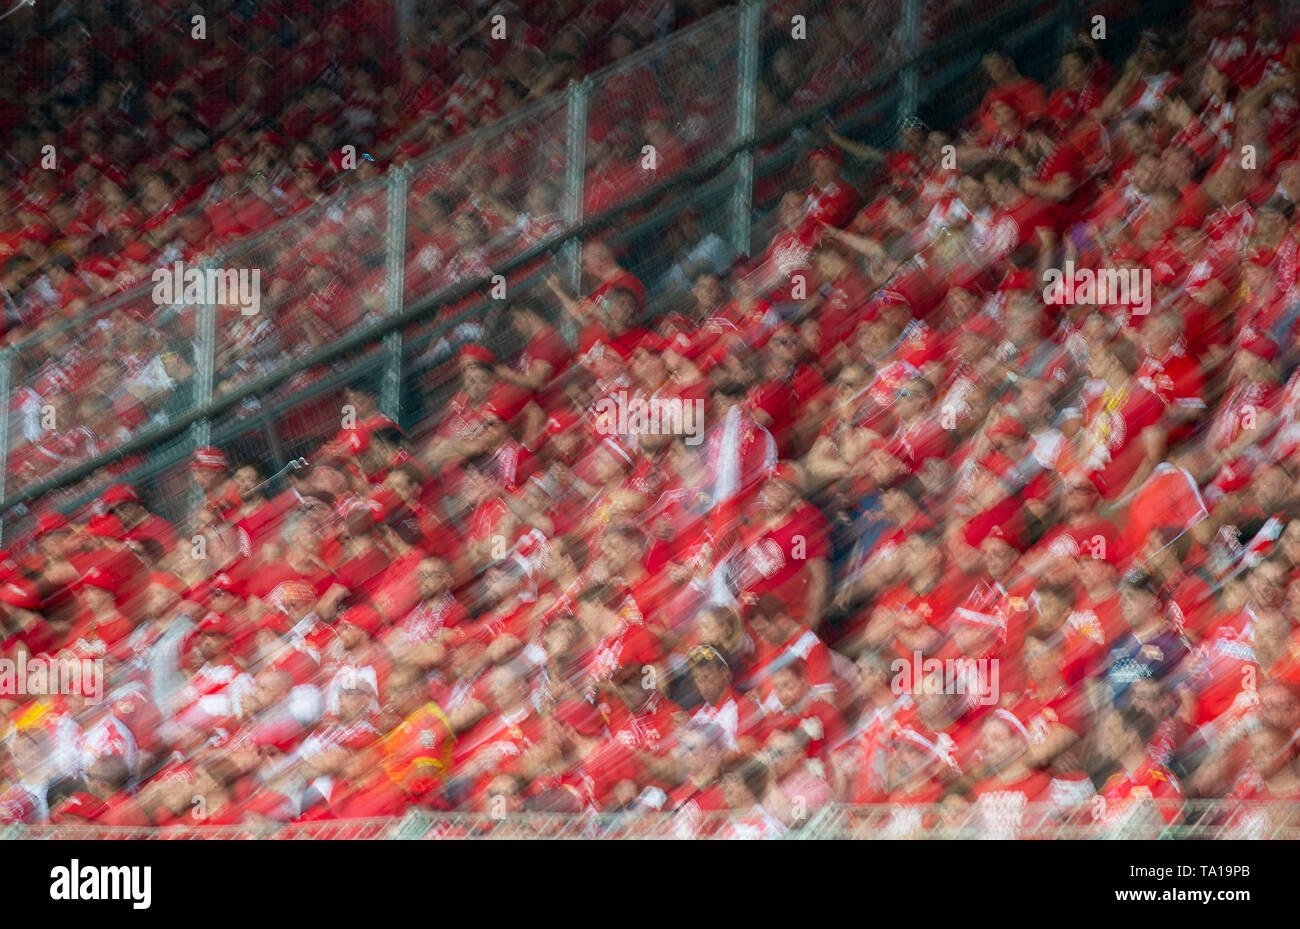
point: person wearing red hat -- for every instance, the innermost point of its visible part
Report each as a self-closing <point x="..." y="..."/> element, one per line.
<point x="99" y="624"/>
<point x="544" y="357"/>
<point x="212" y="694"/>
<point x="1008" y="785"/>
<point x="212" y="474"/>
<point x="1124" y="434"/>
<point x="829" y="199"/>
<point x="792" y="397"/>
<point x="1251" y="403"/>
<point x="138" y="524"/>
<point x="785" y="552"/>
<point x="426" y="634"/>
<point x="501" y="741"/>
<point x="792" y="705"/>
<point x="590" y="313"/>
<point x="355" y="649"/>
<point x="1078" y="530"/>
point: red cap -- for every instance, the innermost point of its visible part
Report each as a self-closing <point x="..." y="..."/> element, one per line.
<point x="120" y="493"/>
<point x="563" y="420"/>
<point x="1007" y="532"/>
<point x="275" y="621"/>
<point x="78" y="805"/>
<point x="1019" y="279"/>
<point x="982" y="326"/>
<point x="364" y="617"/>
<point x="581" y="715"/>
<point x="215" y="624"/>
<point x="168" y="580"/>
<point x="383" y="502"/>
<point x="139" y="251"/>
<point x="1262" y="347"/>
<point x="50" y="521"/>
<point x="21" y="593"/>
<point x="99" y="579"/>
<point x="825" y="151"/>
<point x="653" y="343"/>
<point x="231" y="165"/>
<point x="210" y="458"/>
<point x="998" y="463"/>
<point x="618" y="449"/>
<point x="785" y="471"/>
<point x="477" y="353"/>
<point x="1009" y="427"/>
<point x="105" y="526"/>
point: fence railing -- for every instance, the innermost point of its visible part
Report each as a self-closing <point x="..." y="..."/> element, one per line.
<point x="376" y="285"/>
<point x="1154" y="819"/>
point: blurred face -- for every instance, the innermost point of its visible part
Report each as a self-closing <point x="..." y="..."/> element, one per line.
<point x="608" y="468"/>
<point x="1148" y="695"/>
<point x="736" y="793"/>
<point x="823" y="171"/>
<point x="246" y="479"/>
<point x="476" y="380"/>
<point x="850" y="381"/>
<point x="784" y="348"/>
<point x="1002" y="743"/>
<point x="906" y="761"/>
<point x="707" y="291"/>
<point x="1268" y="585"/>
<point x="973" y="193"/>
<point x="697" y="755"/>
<point x="509" y="689"/>
<point x="779" y="496"/>
<point x="1115" y="739"/>
<point x="998" y="556"/>
<point x="212" y="645"/>
<point x="1137" y="605"/>
<point x="786" y="753"/>
<point x="434" y="577"/>
<point x="560" y="638"/>
<point x="710" y="680"/>
<point x="789" y="687"/>
<point x="1268" y="750"/>
<point x="1279" y="707"/>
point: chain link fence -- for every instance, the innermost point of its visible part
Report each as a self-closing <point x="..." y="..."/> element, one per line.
<point x="1198" y="819"/>
<point x="705" y="127"/>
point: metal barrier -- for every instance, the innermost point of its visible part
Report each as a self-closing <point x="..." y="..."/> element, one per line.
<point x="1195" y="819"/>
<point x="376" y="286"/>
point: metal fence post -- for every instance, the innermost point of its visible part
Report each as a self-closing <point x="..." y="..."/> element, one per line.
<point x="6" y="368"/>
<point x="751" y="16"/>
<point x="390" y="394"/>
<point x="1067" y="14"/>
<point x="910" y="81"/>
<point x="205" y="369"/>
<point x="575" y="181"/>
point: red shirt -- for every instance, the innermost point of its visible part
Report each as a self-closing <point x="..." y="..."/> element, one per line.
<point x="1126" y="791"/>
<point x="776" y="558"/>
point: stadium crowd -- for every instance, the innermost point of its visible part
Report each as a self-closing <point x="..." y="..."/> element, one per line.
<point x="951" y="542"/>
